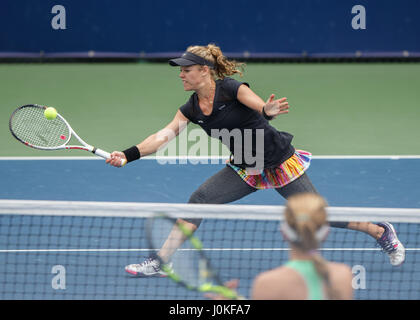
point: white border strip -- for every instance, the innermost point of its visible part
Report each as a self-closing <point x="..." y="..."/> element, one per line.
<point x="195" y="158"/>
<point x="207" y="211"/>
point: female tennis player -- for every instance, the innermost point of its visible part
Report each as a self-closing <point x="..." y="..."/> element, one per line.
<point x="307" y="275"/>
<point x="265" y="157"/>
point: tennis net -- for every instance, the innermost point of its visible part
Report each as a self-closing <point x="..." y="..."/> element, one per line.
<point x="78" y="250"/>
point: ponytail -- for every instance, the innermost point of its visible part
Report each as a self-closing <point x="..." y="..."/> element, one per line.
<point x="222" y="65"/>
<point x="306" y="214"/>
<point x="322" y="269"/>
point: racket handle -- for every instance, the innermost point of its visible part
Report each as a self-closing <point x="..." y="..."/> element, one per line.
<point x="101" y="153"/>
<point x="107" y="155"/>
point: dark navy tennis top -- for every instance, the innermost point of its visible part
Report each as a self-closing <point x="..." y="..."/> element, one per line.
<point x="250" y="138"/>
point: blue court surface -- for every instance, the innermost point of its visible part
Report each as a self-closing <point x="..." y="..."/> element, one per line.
<point x="96" y="271"/>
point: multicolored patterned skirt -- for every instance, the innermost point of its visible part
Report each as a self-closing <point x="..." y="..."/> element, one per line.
<point x="277" y="177"/>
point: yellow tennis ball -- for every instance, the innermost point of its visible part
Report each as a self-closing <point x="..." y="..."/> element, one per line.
<point x="50" y="113"/>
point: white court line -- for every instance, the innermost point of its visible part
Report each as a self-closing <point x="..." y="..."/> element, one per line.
<point x="391" y="157"/>
<point x="204" y="249"/>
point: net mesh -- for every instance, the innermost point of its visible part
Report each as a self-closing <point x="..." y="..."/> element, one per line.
<point x="78" y="250"/>
<point x="30" y="126"/>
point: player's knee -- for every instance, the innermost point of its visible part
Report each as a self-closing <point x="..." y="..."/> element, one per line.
<point x="194" y="221"/>
<point x="197" y="196"/>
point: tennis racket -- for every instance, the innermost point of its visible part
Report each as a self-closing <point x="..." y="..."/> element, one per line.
<point x="188" y="266"/>
<point x="29" y="126"/>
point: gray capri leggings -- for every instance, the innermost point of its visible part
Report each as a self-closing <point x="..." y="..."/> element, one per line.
<point x="227" y="186"/>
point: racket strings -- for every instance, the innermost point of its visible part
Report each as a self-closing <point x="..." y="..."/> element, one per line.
<point x="30" y="126"/>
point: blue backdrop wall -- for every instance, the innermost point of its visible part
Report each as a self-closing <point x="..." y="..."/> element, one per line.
<point x="281" y="26"/>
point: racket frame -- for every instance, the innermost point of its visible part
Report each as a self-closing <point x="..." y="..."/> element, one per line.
<point x="84" y="146"/>
<point x="204" y="264"/>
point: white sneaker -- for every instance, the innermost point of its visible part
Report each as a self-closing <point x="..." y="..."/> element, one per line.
<point x="149" y="268"/>
<point x="391" y="245"/>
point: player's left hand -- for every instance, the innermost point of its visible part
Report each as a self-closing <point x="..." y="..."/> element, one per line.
<point x="274" y="107"/>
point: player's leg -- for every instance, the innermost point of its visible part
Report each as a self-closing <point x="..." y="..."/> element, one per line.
<point x="303" y="184"/>
<point x="300" y="185"/>
<point x="223" y="187"/>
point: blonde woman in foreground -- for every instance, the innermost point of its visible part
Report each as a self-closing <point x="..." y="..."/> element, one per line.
<point x="306" y="275"/>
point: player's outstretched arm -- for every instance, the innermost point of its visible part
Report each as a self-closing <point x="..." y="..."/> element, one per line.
<point x="155" y="141"/>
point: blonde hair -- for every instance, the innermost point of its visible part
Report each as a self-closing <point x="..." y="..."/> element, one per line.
<point x="306" y="213"/>
<point x="222" y="66"/>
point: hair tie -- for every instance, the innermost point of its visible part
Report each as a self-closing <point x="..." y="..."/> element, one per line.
<point x="303" y="217"/>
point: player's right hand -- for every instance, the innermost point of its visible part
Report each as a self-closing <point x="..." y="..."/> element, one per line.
<point x="117" y="159"/>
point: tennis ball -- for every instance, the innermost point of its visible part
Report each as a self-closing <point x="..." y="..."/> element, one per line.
<point x="50" y="113"/>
